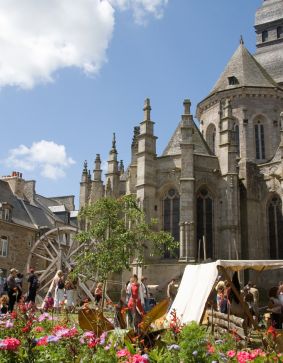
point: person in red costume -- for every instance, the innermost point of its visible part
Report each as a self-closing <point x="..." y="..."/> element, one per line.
<point x="135" y="294"/>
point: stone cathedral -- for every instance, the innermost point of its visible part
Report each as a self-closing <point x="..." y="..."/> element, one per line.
<point x="218" y="188"/>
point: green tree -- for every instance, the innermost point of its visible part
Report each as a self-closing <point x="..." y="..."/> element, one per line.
<point x="117" y="232"/>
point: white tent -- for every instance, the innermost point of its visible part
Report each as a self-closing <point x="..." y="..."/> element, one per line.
<point x="198" y="281"/>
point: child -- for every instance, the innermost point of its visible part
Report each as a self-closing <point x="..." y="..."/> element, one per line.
<point x="98" y="293"/>
<point x="48" y="302"/>
<point x="4" y="301"/>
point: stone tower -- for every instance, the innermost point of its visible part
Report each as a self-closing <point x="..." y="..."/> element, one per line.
<point x="269" y="38"/>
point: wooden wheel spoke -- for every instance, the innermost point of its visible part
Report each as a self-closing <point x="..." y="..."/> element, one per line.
<point x="54" y="249"/>
<point x="41" y="256"/>
<point x="47" y="284"/>
<point x="48" y="251"/>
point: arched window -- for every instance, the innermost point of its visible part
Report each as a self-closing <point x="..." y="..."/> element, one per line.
<point x="279" y="32"/>
<point x="210" y="137"/>
<point x="205" y="223"/>
<point x="275" y="227"/>
<point x="237" y="137"/>
<point x="259" y="141"/>
<point x="171" y="217"/>
<point x="264" y="36"/>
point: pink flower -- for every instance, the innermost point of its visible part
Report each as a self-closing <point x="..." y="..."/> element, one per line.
<point x="9" y="344"/>
<point x="136" y="358"/>
<point x="38" y="329"/>
<point x="9" y="324"/>
<point x="42" y="341"/>
<point x="231" y="353"/>
<point x="123" y="353"/>
<point x="89" y="335"/>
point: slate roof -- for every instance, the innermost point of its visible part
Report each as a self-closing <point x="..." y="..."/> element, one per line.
<point x="23" y="212"/>
<point x="173" y="147"/>
<point x="246" y="70"/>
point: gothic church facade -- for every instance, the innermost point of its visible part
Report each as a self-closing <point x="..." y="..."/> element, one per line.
<point x="217" y="188"/>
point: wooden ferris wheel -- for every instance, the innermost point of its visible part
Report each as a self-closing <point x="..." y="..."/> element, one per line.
<point x="56" y="250"/>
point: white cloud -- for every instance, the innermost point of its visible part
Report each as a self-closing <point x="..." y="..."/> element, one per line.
<point x="38" y="37"/>
<point x="49" y="157"/>
<point x="141" y="8"/>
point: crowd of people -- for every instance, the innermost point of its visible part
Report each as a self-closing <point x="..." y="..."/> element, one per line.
<point x="135" y="295"/>
<point x="11" y="289"/>
<point x="272" y="312"/>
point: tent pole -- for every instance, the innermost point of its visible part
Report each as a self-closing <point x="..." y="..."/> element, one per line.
<point x="244" y="306"/>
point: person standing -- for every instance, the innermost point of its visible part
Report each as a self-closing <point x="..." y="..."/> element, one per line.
<point x="145" y="293"/>
<point x="19" y="283"/>
<point x="12" y="289"/>
<point x="33" y="286"/>
<point x="2" y="283"/>
<point x="58" y="284"/>
<point x="171" y="291"/>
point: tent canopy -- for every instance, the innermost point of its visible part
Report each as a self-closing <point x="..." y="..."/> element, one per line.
<point x="198" y="281"/>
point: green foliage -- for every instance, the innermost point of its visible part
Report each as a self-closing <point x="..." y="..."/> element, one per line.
<point x="117" y="232"/>
<point x="104" y="356"/>
<point x="193" y="344"/>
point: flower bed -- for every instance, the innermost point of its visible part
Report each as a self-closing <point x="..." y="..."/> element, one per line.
<point x="31" y="337"/>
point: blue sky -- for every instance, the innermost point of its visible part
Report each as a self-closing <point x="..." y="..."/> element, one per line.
<point x="70" y="81"/>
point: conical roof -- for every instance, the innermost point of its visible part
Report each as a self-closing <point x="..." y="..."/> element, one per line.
<point x="243" y="71"/>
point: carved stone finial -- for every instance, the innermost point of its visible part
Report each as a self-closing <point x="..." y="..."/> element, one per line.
<point x="147" y="109"/>
<point x="241" y="40"/>
<point x="187" y="106"/>
<point x="114" y="141"/>
<point x="121" y="167"/>
<point x="85" y="165"/>
<point x="135" y="136"/>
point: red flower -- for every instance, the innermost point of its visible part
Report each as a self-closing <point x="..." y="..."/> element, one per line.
<point x="9" y="344"/>
<point x="13" y="314"/>
<point x="272" y="331"/>
<point x="210" y="348"/>
<point x="42" y="341"/>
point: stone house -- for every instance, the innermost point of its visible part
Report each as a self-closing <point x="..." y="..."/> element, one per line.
<point x="25" y="216"/>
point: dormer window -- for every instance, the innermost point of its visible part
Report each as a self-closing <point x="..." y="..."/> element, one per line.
<point x="6" y="211"/>
<point x="232" y="81"/>
<point x="279" y="32"/>
<point x="264" y="36"/>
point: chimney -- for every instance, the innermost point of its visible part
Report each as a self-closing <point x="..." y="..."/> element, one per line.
<point x="16" y="183"/>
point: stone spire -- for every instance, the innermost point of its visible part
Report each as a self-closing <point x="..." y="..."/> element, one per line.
<point x="84" y="173"/>
<point x="97" y="172"/>
<point x="113" y="150"/>
<point x="134" y="147"/>
<point x="121" y="167"/>
<point x="113" y="170"/>
<point x="147" y="109"/>
<point x="84" y="186"/>
<point x="187" y="124"/>
<point x="146" y="162"/>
